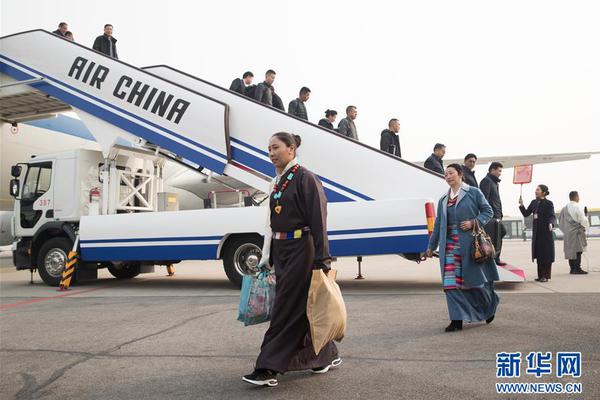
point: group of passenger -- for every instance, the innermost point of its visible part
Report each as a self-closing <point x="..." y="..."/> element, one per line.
<point x="105" y="43"/>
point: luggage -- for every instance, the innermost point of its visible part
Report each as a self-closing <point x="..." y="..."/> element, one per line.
<point x="325" y="309"/>
<point x="256" y="298"/>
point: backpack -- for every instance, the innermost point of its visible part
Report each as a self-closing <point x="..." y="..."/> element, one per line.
<point x="277" y="102"/>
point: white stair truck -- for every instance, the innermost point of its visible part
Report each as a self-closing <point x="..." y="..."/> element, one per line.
<point x="114" y="200"/>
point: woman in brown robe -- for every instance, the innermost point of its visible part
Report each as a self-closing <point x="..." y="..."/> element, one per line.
<point x="298" y="244"/>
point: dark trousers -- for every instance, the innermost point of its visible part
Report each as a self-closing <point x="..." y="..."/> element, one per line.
<point x="576" y="263"/>
<point x="495" y="229"/>
<point x="544" y="270"/>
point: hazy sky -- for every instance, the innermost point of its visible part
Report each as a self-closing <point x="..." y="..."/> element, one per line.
<point x="511" y="77"/>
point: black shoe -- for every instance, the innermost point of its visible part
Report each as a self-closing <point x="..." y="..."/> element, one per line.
<point x="579" y="272"/>
<point x="262" y="377"/>
<point x="490" y="319"/>
<point x="538" y="279"/>
<point x="326" y="368"/>
<point x="455" y="325"/>
<point x="542" y="280"/>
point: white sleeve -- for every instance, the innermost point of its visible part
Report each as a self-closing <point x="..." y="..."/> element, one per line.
<point x="266" y="250"/>
<point x="581" y="218"/>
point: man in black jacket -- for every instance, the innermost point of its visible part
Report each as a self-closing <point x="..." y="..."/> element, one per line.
<point x="434" y="162"/>
<point x="490" y="188"/>
<point x="297" y="106"/>
<point x="469" y="170"/>
<point x="62" y="29"/>
<point x="240" y="84"/>
<point x="106" y="43"/>
<point x="390" y="141"/>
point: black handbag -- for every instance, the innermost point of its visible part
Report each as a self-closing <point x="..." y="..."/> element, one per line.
<point x="483" y="248"/>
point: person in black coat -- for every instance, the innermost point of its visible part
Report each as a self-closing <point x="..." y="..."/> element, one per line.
<point x="469" y="170"/>
<point x="542" y="243"/>
<point x="390" y="142"/>
<point x="327" y="122"/>
<point x="62" y="29"/>
<point x="434" y="162"/>
<point x="240" y="84"/>
<point x="490" y="187"/>
<point x="106" y="43"/>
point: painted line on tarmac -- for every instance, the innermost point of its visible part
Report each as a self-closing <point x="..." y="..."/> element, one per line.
<point x="40" y="299"/>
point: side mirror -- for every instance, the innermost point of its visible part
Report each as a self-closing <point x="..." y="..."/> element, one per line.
<point x="15" y="171"/>
<point x="14" y="187"/>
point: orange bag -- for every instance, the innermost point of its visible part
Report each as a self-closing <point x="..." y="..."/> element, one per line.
<point x="325" y="309"/>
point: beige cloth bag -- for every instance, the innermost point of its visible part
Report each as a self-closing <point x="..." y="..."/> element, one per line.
<point x="325" y="309"/>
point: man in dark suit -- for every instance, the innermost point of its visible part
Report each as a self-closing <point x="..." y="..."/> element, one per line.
<point x="240" y="84"/>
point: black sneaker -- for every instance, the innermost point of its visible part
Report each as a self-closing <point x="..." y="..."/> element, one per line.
<point x="322" y="370"/>
<point x="262" y="377"/>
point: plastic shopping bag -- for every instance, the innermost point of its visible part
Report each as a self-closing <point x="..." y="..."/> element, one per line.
<point x="256" y="298"/>
<point x="325" y="309"/>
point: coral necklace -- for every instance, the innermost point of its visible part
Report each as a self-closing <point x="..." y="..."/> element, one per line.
<point x="279" y="191"/>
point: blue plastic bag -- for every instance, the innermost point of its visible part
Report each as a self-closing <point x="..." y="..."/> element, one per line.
<point x="256" y="298"/>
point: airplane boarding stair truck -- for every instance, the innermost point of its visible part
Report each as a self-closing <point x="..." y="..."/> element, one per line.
<point x="379" y="204"/>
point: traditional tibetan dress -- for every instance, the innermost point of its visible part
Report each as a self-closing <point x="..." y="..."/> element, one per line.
<point x="298" y="219"/>
<point x="464" y="303"/>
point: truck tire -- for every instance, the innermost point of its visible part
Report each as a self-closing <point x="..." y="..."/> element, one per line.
<point x="51" y="260"/>
<point x="241" y="256"/>
<point x="124" y="270"/>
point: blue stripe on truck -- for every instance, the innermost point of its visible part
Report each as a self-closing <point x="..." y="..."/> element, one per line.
<point x="338" y="248"/>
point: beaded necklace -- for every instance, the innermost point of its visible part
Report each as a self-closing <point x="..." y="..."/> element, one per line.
<point x="278" y="192"/>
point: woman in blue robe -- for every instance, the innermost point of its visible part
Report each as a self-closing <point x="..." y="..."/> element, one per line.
<point x="469" y="286"/>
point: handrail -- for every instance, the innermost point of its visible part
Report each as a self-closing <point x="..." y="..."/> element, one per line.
<point x="329" y="131"/>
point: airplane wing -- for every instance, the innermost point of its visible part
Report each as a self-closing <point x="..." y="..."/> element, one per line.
<point x="511" y="161"/>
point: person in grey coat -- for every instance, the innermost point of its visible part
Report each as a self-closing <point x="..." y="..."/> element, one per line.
<point x="265" y="90"/>
<point x="346" y="126"/>
<point x="434" y="161"/>
<point x="469" y="286"/>
<point x="297" y="107"/>
<point x="573" y="223"/>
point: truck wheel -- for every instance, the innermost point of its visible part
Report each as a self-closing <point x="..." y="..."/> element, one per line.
<point x="52" y="258"/>
<point x="124" y="270"/>
<point x="241" y="257"/>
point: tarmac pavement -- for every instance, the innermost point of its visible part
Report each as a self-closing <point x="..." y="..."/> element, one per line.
<point x="158" y="337"/>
